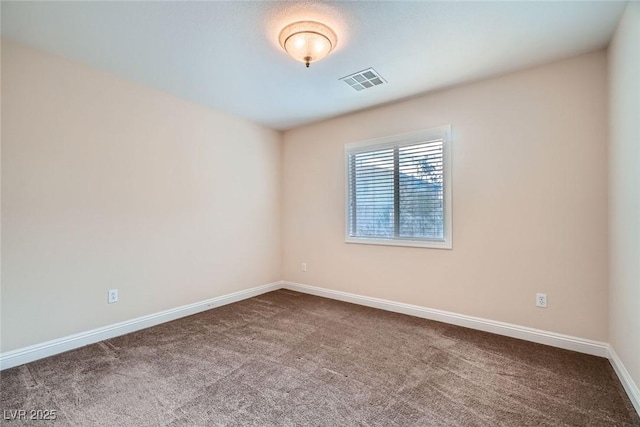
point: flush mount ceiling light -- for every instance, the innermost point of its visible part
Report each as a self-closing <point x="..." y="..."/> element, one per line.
<point x="308" y="41"/>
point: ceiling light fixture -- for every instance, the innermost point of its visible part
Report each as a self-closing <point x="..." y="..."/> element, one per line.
<point x="308" y="41"/>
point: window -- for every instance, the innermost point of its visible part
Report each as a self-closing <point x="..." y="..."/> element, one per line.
<point x="399" y="190"/>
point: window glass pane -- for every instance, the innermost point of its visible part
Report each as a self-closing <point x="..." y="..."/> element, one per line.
<point x="372" y="196"/>
<point x="421" y="191"/>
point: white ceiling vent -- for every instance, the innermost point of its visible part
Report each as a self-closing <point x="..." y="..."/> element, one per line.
<point x="364" y="79"/>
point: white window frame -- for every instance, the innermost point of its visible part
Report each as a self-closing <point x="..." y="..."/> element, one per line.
<point x="442" y="132"/>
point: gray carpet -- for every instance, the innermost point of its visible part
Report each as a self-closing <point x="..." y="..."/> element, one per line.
<point x="286" y="358"/>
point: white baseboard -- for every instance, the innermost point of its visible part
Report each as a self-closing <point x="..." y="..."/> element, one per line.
<point x="567" y="342"/>
<point x="38" y="351"/>
<point x="625" y="378"/>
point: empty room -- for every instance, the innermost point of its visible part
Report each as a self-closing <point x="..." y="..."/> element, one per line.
<point x="351" y="213"/>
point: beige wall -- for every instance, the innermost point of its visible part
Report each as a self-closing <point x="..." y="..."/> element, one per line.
<point x="529" y="201"/>
<point x="108" y="184"/>
<point x="624" y="86"/>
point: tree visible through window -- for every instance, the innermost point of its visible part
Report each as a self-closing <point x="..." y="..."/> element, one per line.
<point x="397" y="190"/>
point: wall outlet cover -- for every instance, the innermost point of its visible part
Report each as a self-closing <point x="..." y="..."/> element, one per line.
<point x="112" y="296"/>
<point x="541" y="300"/>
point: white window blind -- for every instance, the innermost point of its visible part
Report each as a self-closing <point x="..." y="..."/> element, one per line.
<point x="398" y="190"/>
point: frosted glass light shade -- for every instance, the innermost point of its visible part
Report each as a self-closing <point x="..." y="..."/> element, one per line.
<point x="308" y="41"/>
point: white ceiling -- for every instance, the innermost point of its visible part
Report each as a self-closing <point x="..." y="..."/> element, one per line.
<point x="226" y="54"/>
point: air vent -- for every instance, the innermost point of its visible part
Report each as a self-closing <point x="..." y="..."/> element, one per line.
<point x="364" y="79"/>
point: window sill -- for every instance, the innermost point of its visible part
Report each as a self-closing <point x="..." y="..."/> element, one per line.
<point x="397" y="242"/>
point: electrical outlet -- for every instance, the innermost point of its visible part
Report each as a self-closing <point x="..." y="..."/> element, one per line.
<point x="304" y="267"/>
<point x="541" y="300"/>
<point x="112" y="296"/>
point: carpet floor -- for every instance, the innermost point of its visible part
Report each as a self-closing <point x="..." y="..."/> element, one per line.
<point x="286" y="358"/>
